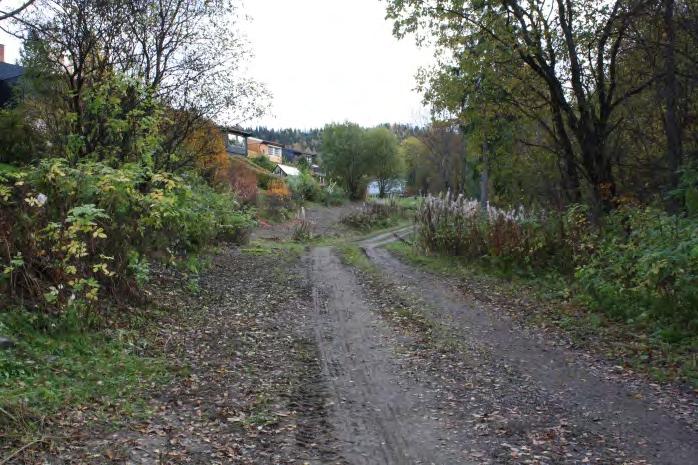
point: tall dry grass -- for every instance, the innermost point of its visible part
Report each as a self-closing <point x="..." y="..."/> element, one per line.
<point x="515" y="238"/>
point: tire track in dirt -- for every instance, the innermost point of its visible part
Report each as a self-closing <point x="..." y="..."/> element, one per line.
<point x="604" y="407"/>
<point x="380" y="414"/>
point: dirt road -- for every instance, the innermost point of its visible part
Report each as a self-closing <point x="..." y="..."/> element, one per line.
<point x="381" y="415"/>
<point x="508" y="397"/>
<point x="286" y="357"/>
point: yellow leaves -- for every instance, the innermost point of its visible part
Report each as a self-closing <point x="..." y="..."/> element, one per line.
<point x="36" y="201"/>
<point x="99" y="234"/>
<point x="157" y="195"/>
<point x="5" y="193"/>
<point x="55" y="171"/>
<point x="76" y="249"/>
<point x="168" y="181"/>
<point x="92" y="294"/>
<point x="102" y="268"/>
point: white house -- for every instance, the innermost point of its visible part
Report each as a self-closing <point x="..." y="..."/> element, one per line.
<point x="394" y="187"/>
<point x="285" y="171"/>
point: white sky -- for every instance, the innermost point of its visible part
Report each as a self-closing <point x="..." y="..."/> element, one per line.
<point x="333" y="60"/>
<point x="325" y="61"/>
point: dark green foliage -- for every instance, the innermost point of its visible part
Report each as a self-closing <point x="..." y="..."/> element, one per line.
<point x="645" y="269"/>
<point x="18" y="141"/>
<point x="305" y="188"/>
<point x="345" y="158"/>
<point x="264" y="162"/>
<point x="353" y="156"/>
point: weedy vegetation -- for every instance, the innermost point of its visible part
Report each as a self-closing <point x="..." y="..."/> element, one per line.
<point x="639" y="267"/>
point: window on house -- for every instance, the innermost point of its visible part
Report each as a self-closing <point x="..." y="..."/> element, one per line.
<point x="236" y="140"/>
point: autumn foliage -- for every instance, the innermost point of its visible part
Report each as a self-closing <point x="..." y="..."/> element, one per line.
<point x="211" y="158"/>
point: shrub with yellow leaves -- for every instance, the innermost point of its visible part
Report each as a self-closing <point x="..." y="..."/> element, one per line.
<point x="68" y="233"/>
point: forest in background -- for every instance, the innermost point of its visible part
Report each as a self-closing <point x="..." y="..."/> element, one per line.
<point x="311" y="139"/>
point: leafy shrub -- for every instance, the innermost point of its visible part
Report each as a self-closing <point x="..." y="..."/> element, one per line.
<point x="277" y="202"/>
<point x="524" y="240"/>
<point x="264" y="162"/>
<point x="18" y="140"/>
<point x="305" y="188"/>
<point x="645" y="268"/>
<point x="303" y="228"/>
<point x="243" y="181"/>
<point x="640" y="266"/>
<point x="67" y="233"/>
<point x="334" y="195"/>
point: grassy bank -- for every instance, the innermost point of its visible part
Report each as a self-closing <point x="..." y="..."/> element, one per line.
<point x="59" y="366"/>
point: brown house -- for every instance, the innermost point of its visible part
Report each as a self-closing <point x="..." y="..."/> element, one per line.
<point x="258" y="147"/>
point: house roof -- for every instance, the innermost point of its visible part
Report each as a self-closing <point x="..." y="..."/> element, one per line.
<point x="265" y="142"/>
<point x="289" y="170"/>
<point x="9" y="71"/>
<point x="235" y="130"/>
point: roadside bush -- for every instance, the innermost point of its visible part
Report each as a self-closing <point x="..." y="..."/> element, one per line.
<point x="276" y="203"/>
<point x="302" y="228"/>
<point x="513" y="239"/>
<point x="69" y="233"/>
<point x="640" y="266"/>
<point x="646" y="268"/>
<point x="334" y="195"/>
<point x="241" y="168"/>
<point x="243" y="181"/>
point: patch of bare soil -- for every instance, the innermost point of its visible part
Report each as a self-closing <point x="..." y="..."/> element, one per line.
<point x="528" y="399"/>
<point x="251" y="390"/>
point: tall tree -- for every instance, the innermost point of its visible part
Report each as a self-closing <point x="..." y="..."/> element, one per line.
<point x="345" y="158"/>
<point x="184" y="53"/>
<point x="571" y="48"/>
<point x="386" y="164"/>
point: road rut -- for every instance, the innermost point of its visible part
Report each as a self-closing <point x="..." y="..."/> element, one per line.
<point x="381" y="414"/>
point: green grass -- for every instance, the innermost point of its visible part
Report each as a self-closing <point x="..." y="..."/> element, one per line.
<point x="554" y="300"/>
<point x="352" y="255"/>
<point x="58" y="365"/>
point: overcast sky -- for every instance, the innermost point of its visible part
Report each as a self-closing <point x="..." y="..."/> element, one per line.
<point x="333" y="60"/>
<point x="327" y="61"/>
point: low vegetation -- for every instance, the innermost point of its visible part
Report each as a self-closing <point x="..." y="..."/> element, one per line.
<point x="100" y="186"/>
<point x="639" y="267"/>
<point x="375" y="215"/>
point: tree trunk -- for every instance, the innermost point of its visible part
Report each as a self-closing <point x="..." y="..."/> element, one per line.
<point x="570" y="174"/>
<point x="485" y="176"/>
<point x="672" y="127"/>
<point x="599" y="170"/>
